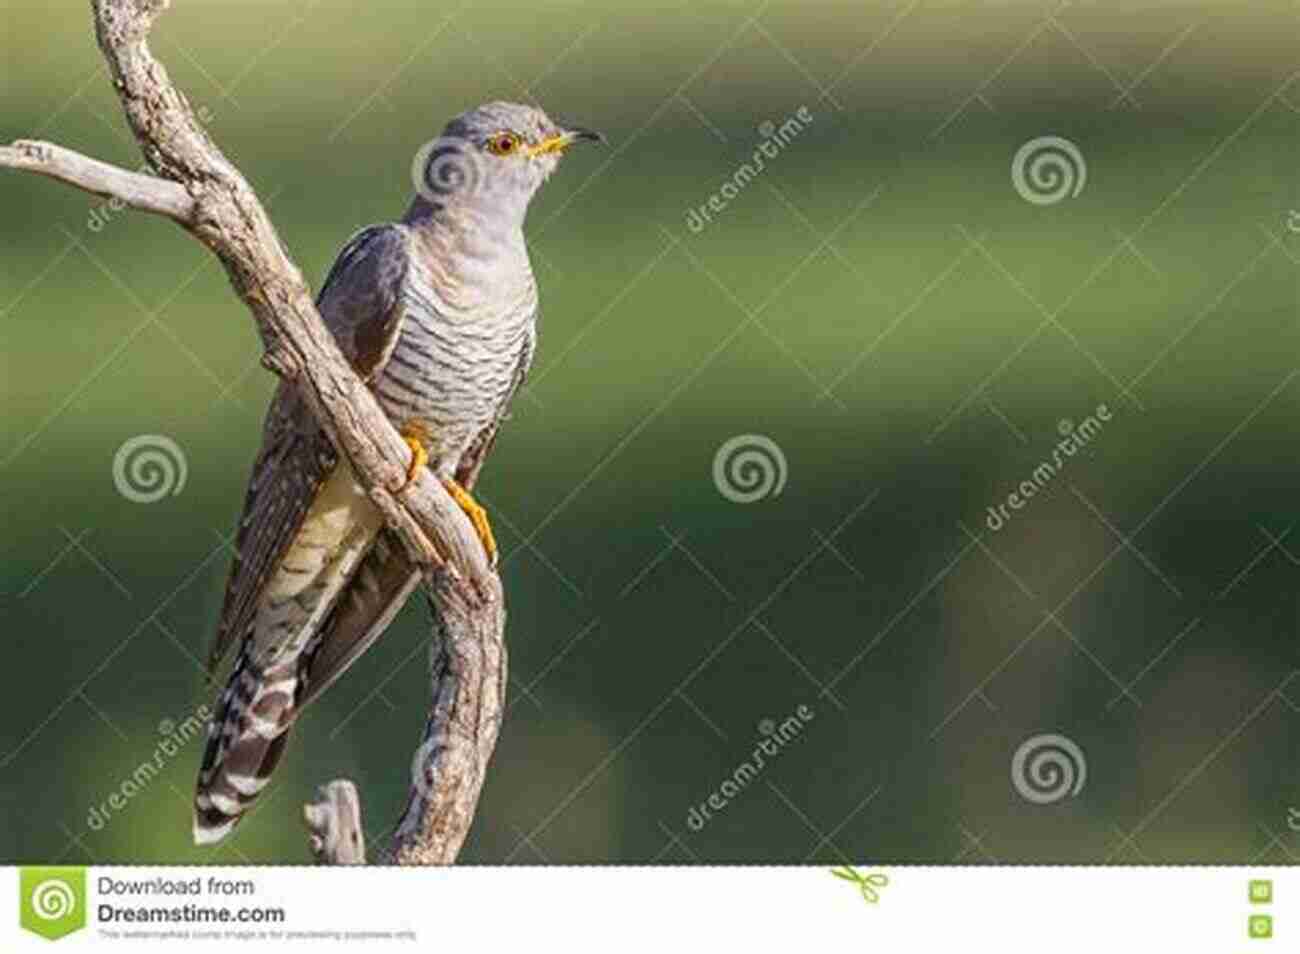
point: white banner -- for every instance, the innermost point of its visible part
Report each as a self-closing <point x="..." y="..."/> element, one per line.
<point x="786" y="909"/>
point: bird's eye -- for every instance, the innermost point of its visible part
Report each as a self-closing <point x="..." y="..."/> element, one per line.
<point x="503" y="144"/>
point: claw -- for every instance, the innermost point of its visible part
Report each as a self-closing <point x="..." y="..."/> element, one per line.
<point x="477" y="516"/>
<point x="419" y="456"/>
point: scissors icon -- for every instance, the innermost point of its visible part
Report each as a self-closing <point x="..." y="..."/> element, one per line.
<point x="867" y="884"/>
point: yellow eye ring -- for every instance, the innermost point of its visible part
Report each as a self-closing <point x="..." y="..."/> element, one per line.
<point x="503" y="144"/>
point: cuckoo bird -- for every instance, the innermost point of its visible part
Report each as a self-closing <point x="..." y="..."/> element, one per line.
<point x="437" y="313"/>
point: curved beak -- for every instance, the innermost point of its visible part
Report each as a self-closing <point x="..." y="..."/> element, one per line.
<point x="580" y="134"/>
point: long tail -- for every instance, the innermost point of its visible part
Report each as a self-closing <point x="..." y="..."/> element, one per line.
<point x="296" y="614"/>
<point x="246" y="737"/>
<point x="254" y="714"/>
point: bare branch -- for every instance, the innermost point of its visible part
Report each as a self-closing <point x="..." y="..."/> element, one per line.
<point x="147" y="193"/>
<point x="198" y="187"/>
<point x="467" y="666"/>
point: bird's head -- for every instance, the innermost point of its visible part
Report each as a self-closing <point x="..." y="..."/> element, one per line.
<point x="493" y="159"/>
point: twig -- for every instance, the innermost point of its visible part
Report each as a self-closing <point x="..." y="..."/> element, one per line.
<point x="146" y="193"/>
<point x="334" y="820"/>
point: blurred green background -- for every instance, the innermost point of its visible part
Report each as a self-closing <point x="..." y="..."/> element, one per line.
<point x="880" y="303"/>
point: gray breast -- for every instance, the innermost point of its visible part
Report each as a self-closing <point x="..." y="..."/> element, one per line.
<point x="452" y="369"/>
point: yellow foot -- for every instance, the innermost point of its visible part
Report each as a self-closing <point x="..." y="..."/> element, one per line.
<point x="477" y="516"/>
<point x="419" y="456"/>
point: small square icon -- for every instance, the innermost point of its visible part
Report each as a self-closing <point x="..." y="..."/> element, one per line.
<point x="1261" y="926"/>
<point x="1261" y="892"/>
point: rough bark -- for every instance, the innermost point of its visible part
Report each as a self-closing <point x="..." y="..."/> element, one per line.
<point x="197" y="187"/>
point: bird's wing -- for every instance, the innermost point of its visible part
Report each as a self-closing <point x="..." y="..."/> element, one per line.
<point x="360" y="303"/>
